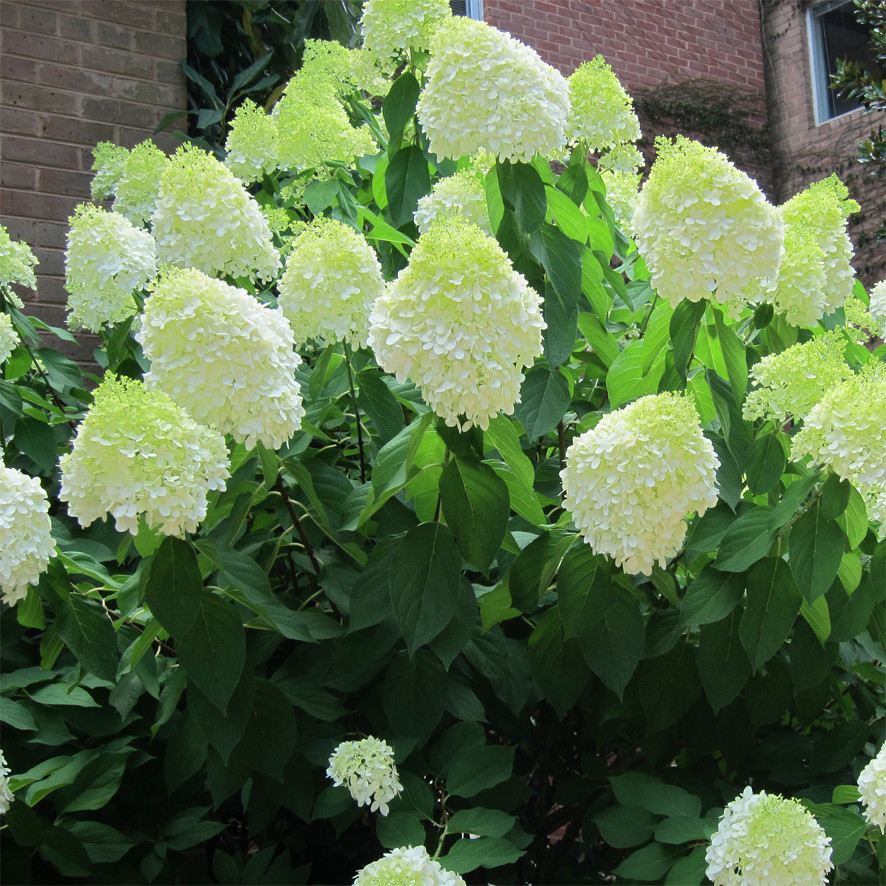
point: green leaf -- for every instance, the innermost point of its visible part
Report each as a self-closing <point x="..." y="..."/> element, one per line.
<point x="815" y="549"/>
<point x="523" y="192"/>
<point x="668" y="686"/>
<point x="213" y="650"/>
<point x="224" y="731"/>
<point x="843" y="826"/>
<point x="423" y="583"/>
<point x="712" y="595"/>
<point x="533" y="570"/>
<point x="680" y="829"/>
<point x="818" y="617"/>
<point x="684" y="331"/>
<point x="584" y="590"/>
<point x="414" y="693"/>
<point x="649" y="863"/>
<point x="561" y="258"/>
<point x="483" y="768"/>
<point x="174" y="586"/>
<point x="481" y="821"/>
<point x="475" y="505"/>
<point x="614" y="645"/>
<point x="37" y="441"/>
<point x="835" y="495"/>
<point x="561" y="320"/>
<point x="641" y="789"/>
<point x="399" y="106"/>
<point x="87" y="631"/>
<point x="489" y="852"/>
<point x="544" y="399"/>
<point x="271" y="732"/>
<point x="626" y="379"/>
<point x="854" y="520"/>
<point x="566" y="214"/>
<point x="733" y="355"/>
<point x="399" y="829"/>
<point x="556" y="663"/>
<point x="846" y="793"/>
<point x="773" y="604"/>
<point x="95" y="785"/>
<point x="625" y="826"/>
<point x="746" y="541"/>
<point x="377" y="401"/>
<point x="689" y="870"/>
<point x="15" y="714"/>
<point x="406" y="180"/>
<point x="103" y="844"/>
<point x="723" y="664"/>
<point x="765" y="463"/>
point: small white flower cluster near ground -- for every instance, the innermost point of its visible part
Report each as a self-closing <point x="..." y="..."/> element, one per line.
<point x="767" y="840"/>
<point x="6" y="796"/>
<point x="367" y="769"/>
<point x="407" y="866"/>
<point x="872" y="788"/>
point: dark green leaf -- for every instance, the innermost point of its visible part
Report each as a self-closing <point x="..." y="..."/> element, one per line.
<point x="625" y="826"/>
<point x="684" y="331"/>
<point x="561" y="321"/>
<point x="668" y="686"/>
<point x="174" y="586"/>
<point x="773" y="604"/>
<point x="414" y="693"/>
<point x="89" y="634"/>
<point x="711" y="596"/>
<point x="723" y="664"/>
<point x="224" y="731"/>
<point x="37" y="441"/>
<point x="811" y="661"/>
<point x="649" y="863"/>
<point x="815" y="549"/>
<point x="523" y="191"/>
<point x="560" y="256"/>
<point x="765" y="463"/>
<point x="835" y="496"/>
<point x="483" y="768"/>
<point x="614" y="645"/>
<point x="406" y="180"/>
<point x="584" y="590"/>
<point x="626" y="379"/>
<point x="399" y="829"/>
<point x="399" y="106"/>
<point x="379" y="404"/>
<point x="544" y="399"/>
<point x="489" y="852"/>
<point x="746" y="541"/>
<point x="557" y="663"/>
<point x="485" y="822"/>
<point x="534" y="568"/>
<point x="270" y="735"/>
<point x="733" y="356"/>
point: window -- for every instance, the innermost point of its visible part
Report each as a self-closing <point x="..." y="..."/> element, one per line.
<point x="470" y="8"/>
<point x="835" y="34"/>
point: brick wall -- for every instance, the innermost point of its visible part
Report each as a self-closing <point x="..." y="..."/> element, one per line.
<point x="73" y="73"/>
<point x="802" y="151"/>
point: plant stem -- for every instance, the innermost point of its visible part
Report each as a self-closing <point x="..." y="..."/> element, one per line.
<point x="356" y="412"/>
<point x="296" y="523"/>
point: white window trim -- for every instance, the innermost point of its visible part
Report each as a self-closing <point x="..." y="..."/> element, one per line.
<point x="474" y="9"/>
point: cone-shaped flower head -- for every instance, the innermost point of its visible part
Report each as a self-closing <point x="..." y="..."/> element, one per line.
<point x="460" y="322"/>
<point x="136" y="452"/>
<point x="313" y="128"/>
<point x="461" y="194"/>
<point x="817" y="275"/>
<point x="878" y="306"/>
<point x="252" y="144"/>
<point x="106" y="260"/>
<point x="331" y="281"/>
<point x="704" y="227"/>
<point x="619" y="168"/>
<point x="205" y="219"/>
<point x="135" y="195"/>
<point x="860" y="322"/>
<point x="790" y="383"/>
<point x="223" y="356"/>
<point x="26" y="545"/>
<point x="8" y="337"/>
<point x="367" y="769"/>
<point x="631" y="480"/>
<point x="5" y="793"/>
<point x="16" y="265"/>
<point x="487" y="91"/>
<point x="407" y="866"/>
<point x="872" y="787"/>
<point x="391" y="27"/>
<point x="347" y="70"/>
<point x="108" y="163"/>
<point x="767" y="840"/>
<point x="602" y="113"/>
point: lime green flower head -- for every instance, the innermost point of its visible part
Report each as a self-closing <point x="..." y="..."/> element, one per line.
<point x="619" y="168"/>
<point x="138" y="453"/>
<point x="26" y="543"/>
<point x="602" y="113"/>
<point x="407" y="866"/>
<point x="390" y="28"/>
<point x="331" y="281"/>
<point x="872" y="788"/>
<point x="366" y="767"/>
<point x="767" y="840"/>
<point x="487" y="91"/>
<point x="790" y="383"/>
<point x="346" y="70"/>
<point x="461" y="194"/>
<point x="6" y="796"/>
<point x="205" y="219"/>
<point x="107" y="258"/>
<point x="704" y="227"/>
<point x="631" y="481"/>
<point x="460" y="322"/>
<point x="222" y="355"/>
<point x="878" y="308"/>
<point x="252" y="145"/>
<point x="135" y="195"/>
<point x="108" y="163"/>
<point x="16" y="265"/>
<point x="8" y="337"/>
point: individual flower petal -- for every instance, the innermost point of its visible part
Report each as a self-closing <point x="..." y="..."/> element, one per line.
<point x="8" y="337"/>
<point x="331" y="281"/>
<point x="461" y="194"/>
<point x="223" y="356"/>
<point x="206" y="219"/>
<point x="16" y="265"/>
<point x="704" y="227"/>
<point x="872" y="788"/>
<point x="390" y="28"/>
<point x="487" y="91"/>
<point x="136" y="452"/>
<point x="460" y="322"/>
<point x="106" y="260"/>
<point x="407" y="866"/>
<point x="630" y="481"/>
<point x="767" y="840"/>
<point x="26" y="545"/>
<point x="601" y="113"/>
<point x="367" y="769"/>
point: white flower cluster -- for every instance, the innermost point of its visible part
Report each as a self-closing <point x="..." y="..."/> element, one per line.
<point x="6" y="796"/>
<point x="630" y="481"/>
<point x="367" y="769"/>
<point x="108" y="163"/>
<point x="135" y="194"/>
<point x="872" y="788"/>
<point x="347" y="70"/>
<point x="16" y="265"/>
<point x="704" y="227"/>
<point x="767" y="840"/>
<point x="26" y="544"/>
<point x="817" y="276"/>
<point x="331" y="281"/>
<point x="223" y="356"/>
<point x="106" y="260"/>
<point x="460" y="322"/>
<point x="136" y="452"/>
<point x="390" y="28"/>
<point x="461" y="194"/>
<point x="407" y="866"/>
<point x="602" y="113"/>
<point x="252" y="144"/>
<point x="487" y="91"/>
<point x="8" y="337"/>
<point x="791" y="382"/>
<point x="619" y="168"/>
<point x="878" y="305"/>
<point x="206" y="219"/>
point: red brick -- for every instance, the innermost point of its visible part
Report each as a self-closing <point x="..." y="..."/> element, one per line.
<point x="134" y="15"/>
<point x="77" y="79"/>
<point x="22" y="176"/>
<point x="50" y="48"/>
<point x="77" y="130"/>
<point x="65" y="182"/>
<point x="115" y="61"/>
